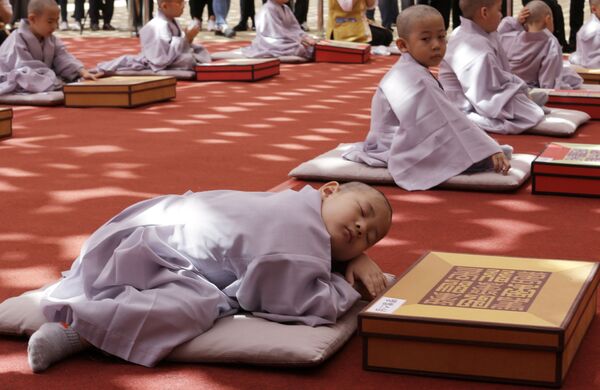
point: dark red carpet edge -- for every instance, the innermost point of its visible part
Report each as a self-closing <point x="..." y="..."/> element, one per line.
<point x="66" y="171"/>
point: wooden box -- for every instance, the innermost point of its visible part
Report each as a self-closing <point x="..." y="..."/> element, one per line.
<point x="343" y="52"/>
<point x="6" y="115"/>
<point x="120" y="91"/>
<point x="567" y="169"/>
<point x="492" y="318"/>
<point x="250" y="69"/>
<point x="581" y="99"/>
<point x="589" y="76"/>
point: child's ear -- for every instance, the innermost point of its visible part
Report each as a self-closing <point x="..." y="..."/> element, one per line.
<point x="329" y="189"/>
<point x="31" y="18"/>
<point x="402" y="45"/>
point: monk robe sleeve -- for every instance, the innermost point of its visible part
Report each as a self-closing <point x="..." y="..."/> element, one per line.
<point x="551" y="68"/>
<point x="295" y="288"/>
<point x="65" y="64"/>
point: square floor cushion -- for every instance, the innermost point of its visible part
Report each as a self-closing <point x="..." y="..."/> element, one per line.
<point x="332" y="166"/>
<point x="237" y="54"/>
<point x="560" y="123"/>
<point x="53" y="98"/>
<point x="241" y="338"/>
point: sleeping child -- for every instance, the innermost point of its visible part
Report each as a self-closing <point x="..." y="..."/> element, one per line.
<point x="588" y="40"/>
<point x="279" y="34"/>
<point x="533" y="53"/>
<point x="477" y="77"/>
<point x="32" y="59"/>
<point x="165" y="46"/>
<point x="416" y="131"/>
<point x="163" y="270"/>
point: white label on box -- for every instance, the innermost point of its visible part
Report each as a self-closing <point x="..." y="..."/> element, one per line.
<point x="386" y="305"/>
<point x="545" y="159"/>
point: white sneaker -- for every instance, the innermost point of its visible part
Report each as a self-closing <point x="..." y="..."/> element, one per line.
<point x="63" y="26"/>
<point x="211" y="26"/>
<point x="76" y="26"/>
<point x="304" y="26"/>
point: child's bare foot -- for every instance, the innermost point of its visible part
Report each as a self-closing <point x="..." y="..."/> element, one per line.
<point x="53" y="342"/>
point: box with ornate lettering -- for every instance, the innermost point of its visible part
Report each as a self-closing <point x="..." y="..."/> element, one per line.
<point x="342" y="52"/>
<point x="120" y="91"/>
<point x="589" y="76"/>
<point x="248" y="69"/>
<point x="587" y="100"/>
<point x="567" y="169"/>
<point x="492" y="318"/>
<point x="6" y="115"/>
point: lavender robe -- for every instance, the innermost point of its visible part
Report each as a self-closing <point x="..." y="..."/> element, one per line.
<point x="536" y="57"/>
<point x="30" y="65"/>
<point x="277" y="34"/>
<point x="417" y="132"/>
<point x="477" y="78"/>
<point x="163" y="270"/>
<point x="588" y="45"/>
<point x="164" y="46"/>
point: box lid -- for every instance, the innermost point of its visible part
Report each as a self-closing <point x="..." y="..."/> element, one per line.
<point x="488" y="291"/>
<point x="569" y="154"/>
<point x="238" y="64"/>
<point x="6" y="113"/>
<point x="120" y="84"/>
<point x="330" y="44"/>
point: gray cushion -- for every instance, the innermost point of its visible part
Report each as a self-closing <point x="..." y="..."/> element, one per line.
<point x="560" y="123"/>
<point x="53" y="98"/>
<point x="241" y="338"/>
<point x="332" y="166"/>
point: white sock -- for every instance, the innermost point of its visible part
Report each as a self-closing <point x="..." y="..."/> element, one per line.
<point x="53" y="342"/>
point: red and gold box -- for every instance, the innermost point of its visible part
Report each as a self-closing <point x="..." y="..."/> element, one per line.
<point x="501" y="319"/>
<point x="120" y="91"/>
<point x="580" y="99"/>
<point x="6" y="115"/>
<point x="589" y="76"/>
<point x="567" y="169"/>
<point x="250" y="69"/>
<point x="342" y="52"/>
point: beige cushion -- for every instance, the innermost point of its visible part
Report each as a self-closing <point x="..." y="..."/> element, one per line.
<point x="241" y="338"/>
<point x="53" y="98"/>
<point x="178" y="74"/>
<point x="332" y="166"/>
<point x="560" y="123"/>
<point x="237" y="54"/>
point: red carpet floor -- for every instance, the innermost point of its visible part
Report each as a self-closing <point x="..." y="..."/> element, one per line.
<point x="66" y="171"/>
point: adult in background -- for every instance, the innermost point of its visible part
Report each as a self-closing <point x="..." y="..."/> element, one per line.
<point x="5" y="18"/>
<point x="221" y="8"/>
<point x="388" y="10"/>
<point x="575" y="22"/>
<point x="107" y="7"/>
<point x="301" y="13"/>
<point x="348" y="21"/>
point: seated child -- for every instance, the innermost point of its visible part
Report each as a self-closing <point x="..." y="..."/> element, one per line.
<point x="278" y="33"/>
<point x="163" y="270"/>
<point x="533" y="53"/>
<point x="416" y="131"/>
<point x="32" y="59"/>
<point x="477" y="77"/>
<point x="164" y="45"/>
<point x="588" y="40"/>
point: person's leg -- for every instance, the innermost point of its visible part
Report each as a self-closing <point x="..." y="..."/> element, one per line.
<point x="575" y="21"/>
<point x="389" y="12"/>
<point x="243" y="23"/>
<point x="107" y="14"/>
<point x="79" y="11"/>
<point x="221" y="8"/>
<point x="95" y="14"/>
<point x="63" y="10"/>
<point x="380" y="36"/>
<point x="301" y="11"/>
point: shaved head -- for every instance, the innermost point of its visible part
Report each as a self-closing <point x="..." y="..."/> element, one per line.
<point x="37" y="7"/>
<point x="470" y="7"/>
<point x="538" y="11"/>
<point x="407" y="18"/>
<point x="595" y="3"/>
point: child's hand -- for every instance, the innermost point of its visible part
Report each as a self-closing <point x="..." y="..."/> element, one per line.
<point x="192" y="31"/>
<point x="84" y="73"/>
<point x="308" y="41"/>
<point x="501" y="163"/>
<point x="368" y="272"/>
<point x="523" y="15"/>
